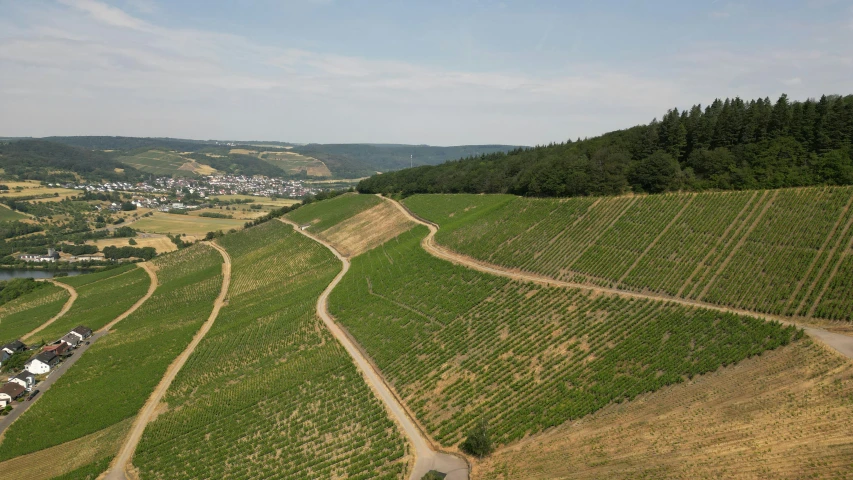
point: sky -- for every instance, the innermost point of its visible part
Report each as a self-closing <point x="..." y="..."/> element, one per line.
<point x="439" y="72"/>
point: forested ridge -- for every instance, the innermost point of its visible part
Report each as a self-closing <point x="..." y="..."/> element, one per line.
<point x="55" y="162"/>
<point x="730" y="144"/>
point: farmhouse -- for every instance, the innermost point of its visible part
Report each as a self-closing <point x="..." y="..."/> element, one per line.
<point x="9" y="392"/>
<point x="58" y="348"/>
<point x="51" y="256"/>
<point x="24" y="379"/>
<point x="42" y="363"/>
<point x="70" y="339"/>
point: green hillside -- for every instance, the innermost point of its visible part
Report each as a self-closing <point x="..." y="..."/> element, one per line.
<point x="785" y="252"/>
<point x="25" y="313"/>
<point x="728" y="145"/>
<point x="56" y="163"/>
<point x="159" y="162"/>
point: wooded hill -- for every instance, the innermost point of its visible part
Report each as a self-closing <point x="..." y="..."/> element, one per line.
<point x="56" y="163"/>
<point x="730" y="144"/>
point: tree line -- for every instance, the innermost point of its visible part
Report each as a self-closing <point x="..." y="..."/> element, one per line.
<point x="730" y="144"/>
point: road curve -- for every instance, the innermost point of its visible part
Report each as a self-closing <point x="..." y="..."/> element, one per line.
<point x="843" y="344"/>
<point x="62" y="312"/>
<point x="152" y="273"/>
<point x="426" y="457"/>
<point x="119" y="469"/>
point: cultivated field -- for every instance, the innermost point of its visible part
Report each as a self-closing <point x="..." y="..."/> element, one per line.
<point x="268" y="393"/>
<point x="459" y="345"/>
<point x="196" y="226"/>
<point x="785" y="252"/>
<point x="160" y="242"/>
<point x="785" y="414"/>
<point x="32" y="188"/>
<point x="23" y="314"/>
<point x="159" y="162"/>
<point x="328" y="213"/>
<point x="120" y="370"/>
<point x="293" y="163"/>
<point x="8" y="215"/>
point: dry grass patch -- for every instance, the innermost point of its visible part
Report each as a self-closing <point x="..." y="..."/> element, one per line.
<point x="367" y="230"/>
<point x="188" y="224"/>
<point x="785" y="414"/>
<point x="160" y="242"/>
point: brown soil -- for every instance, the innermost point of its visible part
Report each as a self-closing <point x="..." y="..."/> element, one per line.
<point x="367" y="230"/>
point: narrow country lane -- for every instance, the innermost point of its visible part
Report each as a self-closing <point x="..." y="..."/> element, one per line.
<point x="59" y="315"/>
<point x="843" y="344"/>
<point x="119" y="469"/>
<point x="426" y="457"/>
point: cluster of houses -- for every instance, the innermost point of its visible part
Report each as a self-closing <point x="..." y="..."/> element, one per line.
<point x="40" y="364"/>
<point x="52" y="256"/>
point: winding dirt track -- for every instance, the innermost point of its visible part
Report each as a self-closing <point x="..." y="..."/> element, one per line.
<point x="152" y="273"/>
<point x="68" y="304"/>
<point x="426" y="456"/>
<point x="843" y="344"/>
<point x="119" y="469"/>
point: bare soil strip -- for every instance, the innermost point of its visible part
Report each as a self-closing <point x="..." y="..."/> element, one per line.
<point x="717" y="244"/>
<point x="426" y="456"/>
<point x="62" y="312"/>
<point x="152" y="273"/>
<point x="657" y="239"/>
<point x="740" y="243"/>
<point x="120" y="468"/>
<point x="843" y="344"/>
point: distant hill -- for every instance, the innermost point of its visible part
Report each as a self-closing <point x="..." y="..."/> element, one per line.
<point x="55" y="162"/>
<point x="731" y="144"/>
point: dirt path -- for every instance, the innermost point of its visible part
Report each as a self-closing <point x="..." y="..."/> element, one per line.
<point x="841" y="343"/>
<point x="62" y="312"/>
<point x="152" y="273"/>
<point x="426" y="457"/>
<point x="120" y="467"/>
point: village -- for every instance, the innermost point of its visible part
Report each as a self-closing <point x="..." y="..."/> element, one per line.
<point x="20" y="385"/>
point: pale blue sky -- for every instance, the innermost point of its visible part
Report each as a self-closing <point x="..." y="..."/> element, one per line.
<point x="437" y="72"/>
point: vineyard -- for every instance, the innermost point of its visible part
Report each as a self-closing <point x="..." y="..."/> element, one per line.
<point x="784" y="252"/>
<point x="324" y="215"/>
<point x="23" y="314"/>
<point x="100" y="298"/>
<point x="119" y="371"/>
<point x="786" y="414"/>
<point x="460" y="345"/>
<point x="269" y="393"/>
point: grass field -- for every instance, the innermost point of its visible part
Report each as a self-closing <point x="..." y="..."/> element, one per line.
<point x="785" y="252"/>
<point x="101" y="297"/>
<point x="120" y="370"/>
<point x="159" y="162"/>
<point x="23" y="314"/>
<point x="160" y="242"/>
<point x="161" y="222"/>
<point x="32" y="187"/>
<point x="8" y="215"/>
<point x="459" y="345"/>
<point x="785" y="414"/>
<point x="269" y="393"/>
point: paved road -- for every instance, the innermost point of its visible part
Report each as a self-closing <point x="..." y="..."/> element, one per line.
<point x="426" y="457"/>
<point x="843" y="344"/>
<point x="62" y="312"/>
<point x="119" y="469"/>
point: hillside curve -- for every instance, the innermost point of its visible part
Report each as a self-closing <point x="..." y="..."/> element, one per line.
<point x="152" y="274"/>
<point x="120" y="467"/>
<point x="65" y="308"/>
<point x="843" y="344"/>
<point x="426" y="457"/>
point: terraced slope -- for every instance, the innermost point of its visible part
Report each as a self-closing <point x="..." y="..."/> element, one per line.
<point x="119" y="371"/>
<point x="783" y="252"/>
<point x="268" y="392"/>
<point x="459" y="345"/>
<point x="27" y="312"/>
<point x="101" y="297"/>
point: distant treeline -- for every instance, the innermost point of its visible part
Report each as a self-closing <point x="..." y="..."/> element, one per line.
<point x="55" y="162"/>
<point x="730" y="144"/>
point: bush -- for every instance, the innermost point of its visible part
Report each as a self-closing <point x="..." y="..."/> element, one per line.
<point x="478" y="443"/>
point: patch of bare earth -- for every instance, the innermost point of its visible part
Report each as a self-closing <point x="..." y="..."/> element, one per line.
<point x="367" y="230"/>
<point x="785" y="414"/>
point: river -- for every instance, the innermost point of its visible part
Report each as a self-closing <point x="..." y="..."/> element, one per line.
<point x="8" y="274"/>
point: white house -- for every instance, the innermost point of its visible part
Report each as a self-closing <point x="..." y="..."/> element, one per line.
<point x="72" y="339"/>
<point x="42" y="363"/>
<point x="9" y="392"/>
<point x="24" y="379"/>
<point x="82" y="332"/>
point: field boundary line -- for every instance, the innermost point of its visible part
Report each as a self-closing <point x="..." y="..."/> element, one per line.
<point x="716" y="245"/>
<point x="427" y="455"/>
<point x="739" y="244"/>
<point x="152" y="274"/>
<point x="657" y="238"/>
<point x="831" y="276"/>
<point x="603" y="231"/>
<point x="842" y="344"/>
<point x="65" y="308"/>
<point x="828" y="260"/>
<point x="119" y="469"/>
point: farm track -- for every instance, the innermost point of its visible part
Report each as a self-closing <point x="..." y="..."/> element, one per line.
<point x="152" y="273"/>
<point x="426" y="456"/>
<point x="843" y="344"/>
<point x="120" y="468"/>
<point x="68" y="304"/>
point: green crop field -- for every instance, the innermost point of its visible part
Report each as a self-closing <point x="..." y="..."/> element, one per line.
<point x="269" y="393"/>
<point x="785" y="252"/>
<point x="460" y="345"/>
<point x="8" y="215"/>
<point x="159" y="162"/>
<point x="111" y="382"/>
<point x="25" y="313"/>
<point x="328" y="213"/>
<point x="101" y="297"/>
